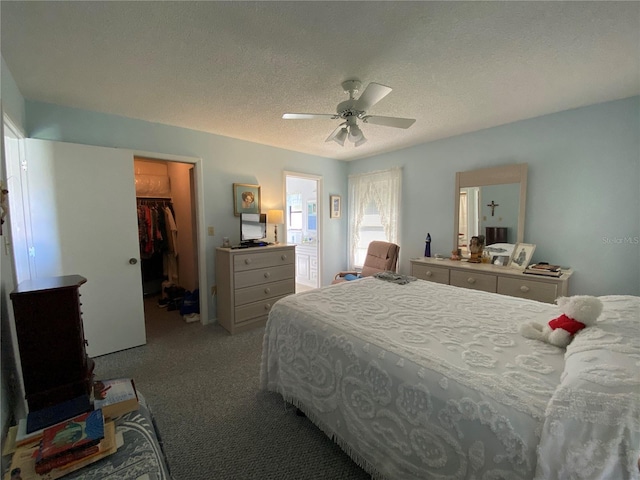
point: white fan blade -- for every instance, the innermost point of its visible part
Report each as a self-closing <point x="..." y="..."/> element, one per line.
<point x="308" y="116"/>
<point x="389" y="121"/>
<point x="335" y="132"/>
<point x="372" y="95"/>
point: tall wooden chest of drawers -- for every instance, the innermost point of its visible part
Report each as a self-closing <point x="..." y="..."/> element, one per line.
<point x="250" y="281"/>
<point x="55" y="365"/>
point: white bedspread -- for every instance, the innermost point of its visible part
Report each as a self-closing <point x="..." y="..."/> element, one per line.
<point x="431" y="381"/>
<point x="416" y="381"/>
<point x="592" y="429"/>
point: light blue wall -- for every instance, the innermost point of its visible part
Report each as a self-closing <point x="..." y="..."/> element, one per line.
<point x="225" y="161"/>
<point x="583" y="201"/>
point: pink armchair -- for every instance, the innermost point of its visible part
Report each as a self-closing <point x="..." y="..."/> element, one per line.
<point x="381" y="257"/>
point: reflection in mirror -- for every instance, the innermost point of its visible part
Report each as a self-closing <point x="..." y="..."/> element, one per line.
<point x="490" y="203"/>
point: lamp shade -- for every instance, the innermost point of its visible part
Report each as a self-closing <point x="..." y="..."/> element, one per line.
<point x="275" y="216"/>
<point x="355" y="133"/>
<point x="341" y="136"/>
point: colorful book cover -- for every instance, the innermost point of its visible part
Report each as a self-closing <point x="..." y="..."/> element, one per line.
<point x="77" y="433"/>
<point x="24" y="458"/>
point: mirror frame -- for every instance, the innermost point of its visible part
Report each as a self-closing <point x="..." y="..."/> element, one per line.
<point x="516" y="173"/>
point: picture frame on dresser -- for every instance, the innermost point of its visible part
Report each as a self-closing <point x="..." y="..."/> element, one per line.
<point x="500" y="260"/>
<point x="521" y="256"/>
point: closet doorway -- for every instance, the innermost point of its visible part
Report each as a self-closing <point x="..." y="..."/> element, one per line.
<point x="167" y="228"/>
<point x="303" y="226"/>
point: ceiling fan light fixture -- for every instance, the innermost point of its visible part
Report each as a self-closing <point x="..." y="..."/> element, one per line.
<point x="341" y="136"/>
<point x="355" y="134"/>
<point x="355" y="109"/>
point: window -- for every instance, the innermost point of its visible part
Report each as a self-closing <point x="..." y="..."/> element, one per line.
<point x="374" y="211"/>
<point x="294" y="202"/>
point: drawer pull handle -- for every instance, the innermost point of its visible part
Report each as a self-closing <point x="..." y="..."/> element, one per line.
<point x="247" y="261"/>
<point x="267" y="290"/>
<point x="524" y="289"/>
<point x="283" y="257"/>
<point x="267" y="274"/>
<point x="267" y="306"/>
<point x="471" y="280"/>
<point x="429" y="274"/>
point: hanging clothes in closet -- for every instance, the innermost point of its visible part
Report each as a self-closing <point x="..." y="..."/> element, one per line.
<point x="158" y="235"/>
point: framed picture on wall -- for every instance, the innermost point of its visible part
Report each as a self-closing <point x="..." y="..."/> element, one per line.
<point x="336" y="206"/>
<point x="521" y="256"/>
<point x="246" y="198"/>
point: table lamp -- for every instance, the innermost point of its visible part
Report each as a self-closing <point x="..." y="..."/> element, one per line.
<point x="276" y="217"/>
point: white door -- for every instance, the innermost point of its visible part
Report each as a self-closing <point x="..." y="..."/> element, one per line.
<point x="84" y="222"/>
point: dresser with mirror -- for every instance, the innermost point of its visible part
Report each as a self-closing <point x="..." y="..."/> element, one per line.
<point x="490" y="202"/>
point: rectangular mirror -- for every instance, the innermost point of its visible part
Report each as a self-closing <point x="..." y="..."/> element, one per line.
<point x="490" y="202"/>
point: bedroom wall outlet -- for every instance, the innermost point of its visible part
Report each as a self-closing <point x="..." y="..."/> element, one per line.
<point x="210" y="231"/>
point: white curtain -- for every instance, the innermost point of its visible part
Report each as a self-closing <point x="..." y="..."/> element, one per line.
<point x="384" y="189"/>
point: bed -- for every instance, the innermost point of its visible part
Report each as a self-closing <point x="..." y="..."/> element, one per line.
<point x="424" y="380"/>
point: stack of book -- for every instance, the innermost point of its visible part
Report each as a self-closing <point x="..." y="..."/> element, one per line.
<point x="544" y="269"/>
<point x="56" y="455"/>
<point x="69" y="441"/>
<point x="45" y="450"/>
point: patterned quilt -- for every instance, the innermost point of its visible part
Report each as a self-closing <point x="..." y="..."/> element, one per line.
<point x="420" y="380"/>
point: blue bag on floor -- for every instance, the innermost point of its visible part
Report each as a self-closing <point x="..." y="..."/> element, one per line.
<point x="190" y="302"/>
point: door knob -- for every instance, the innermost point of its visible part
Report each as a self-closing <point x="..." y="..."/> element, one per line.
<point x="133" y="261"/>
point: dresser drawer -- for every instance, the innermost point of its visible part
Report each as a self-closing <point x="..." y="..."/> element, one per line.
<point x="473" y="280"/>
<point x="261" y="292"/>
<point x="251" y="311"/>
<point x="431" y="273"/>
<point x="540" y="291"/>
<point x="263" y="275"/>
<point x="251" y="261"/>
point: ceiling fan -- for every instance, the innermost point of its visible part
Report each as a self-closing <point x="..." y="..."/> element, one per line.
<point x="353" y="109"/>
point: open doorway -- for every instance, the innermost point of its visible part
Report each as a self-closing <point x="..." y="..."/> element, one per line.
<point x="18" y="201"/>
<point x="303" y="226"/>
<point x="167" y="228"/>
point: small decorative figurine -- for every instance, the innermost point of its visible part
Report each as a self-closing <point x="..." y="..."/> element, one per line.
<point x="475" y="248"/>
<point x="427" y="247"/>
<point x="456" y="254"/>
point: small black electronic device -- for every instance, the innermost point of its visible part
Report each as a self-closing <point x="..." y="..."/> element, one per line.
<point x="253" y="229"/>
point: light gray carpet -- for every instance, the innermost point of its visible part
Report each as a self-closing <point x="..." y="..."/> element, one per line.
<point x="202" y="386"/>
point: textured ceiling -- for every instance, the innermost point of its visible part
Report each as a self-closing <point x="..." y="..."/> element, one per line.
<point x="233" y="68"/>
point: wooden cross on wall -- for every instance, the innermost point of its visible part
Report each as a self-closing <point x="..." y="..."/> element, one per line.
<point x="493" y="206"/>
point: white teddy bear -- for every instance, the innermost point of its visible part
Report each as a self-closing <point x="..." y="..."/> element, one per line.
<point x="579" y="311"/>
